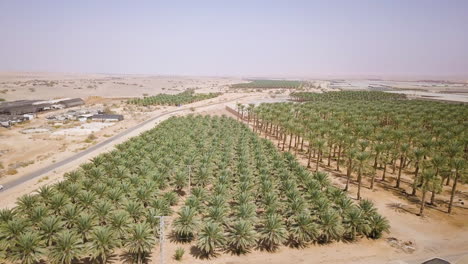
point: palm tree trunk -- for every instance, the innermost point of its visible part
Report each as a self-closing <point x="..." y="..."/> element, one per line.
<point x="318" y="159"/>
<point x="308" y="161"/>
<point x="415" y="182"/>
<point x="421" y="210"/>
<point x="329" y="156"/>
<point x="433" y="198"/>
<point x="359" y="184"/>
<point x="302" y="144"/>
<point x="452" y="194"/>
<point x="399" y="173"/>
<point x="384" y="171"/>
<point x="338" y="160"/>
<point x="284" y="141"/>
<point x="290" y="141"/>
<point x="348" y="174"/>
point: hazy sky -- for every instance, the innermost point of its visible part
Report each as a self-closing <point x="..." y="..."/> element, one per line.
<point x="283" y="38"/>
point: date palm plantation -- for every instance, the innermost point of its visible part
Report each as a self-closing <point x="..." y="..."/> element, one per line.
<point x="244" y="195"/>
<point x="369" y="131"/>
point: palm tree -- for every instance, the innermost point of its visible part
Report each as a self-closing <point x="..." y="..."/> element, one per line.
<point x="102" y="243"/>
<point x="355" y="224"/>
<point x="319" y="145"/>
<point x="403" y="151"/>
<point x="210" y="238"/>
<point x="241" y="236"/>
<point x="426" y="177"/>
<point x="27" y="249"/>
<point x="50" y="226"/>
<point x="272" y="232"/>
<point x="458" y="165"/>
<point x="66" y="247"/>
<point x="418" y="155"/>
<point x="378" y="225"/>
<point x="186" y="224"/>
<point x="139" y="242"/>
<point x="302" y="229"/>
<point x="361" y="157"/>
<point x="84" y="224"/>
<point x="330" y="226"/>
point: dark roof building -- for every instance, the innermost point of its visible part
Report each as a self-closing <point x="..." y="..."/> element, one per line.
<point x="72" y="102"/>
<point x="107" y="117"/>
<point x="32" y="106"/>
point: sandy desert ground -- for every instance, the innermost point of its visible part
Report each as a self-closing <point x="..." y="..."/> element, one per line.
<point x="437" y="234"/>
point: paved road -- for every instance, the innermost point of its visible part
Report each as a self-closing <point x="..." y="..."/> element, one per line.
<point x="47" y="169"/>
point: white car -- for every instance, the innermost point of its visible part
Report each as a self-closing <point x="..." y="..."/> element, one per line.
<point x="1" y="187"/>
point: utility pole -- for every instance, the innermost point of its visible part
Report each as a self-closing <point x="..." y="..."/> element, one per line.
<point x="161" y="238"/>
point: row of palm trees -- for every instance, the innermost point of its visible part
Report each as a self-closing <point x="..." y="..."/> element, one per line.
<point x="269" y="84"/>
<point x="186" y="97"/>
<point x="247" y="195"/>
<point x="346" y="96"/>
<point x="368" y="132"/>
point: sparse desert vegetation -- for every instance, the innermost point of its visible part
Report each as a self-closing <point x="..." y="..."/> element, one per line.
<point x="270" y="84"/>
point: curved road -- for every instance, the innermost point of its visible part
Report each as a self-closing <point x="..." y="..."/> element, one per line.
<point x="47" y="169"/>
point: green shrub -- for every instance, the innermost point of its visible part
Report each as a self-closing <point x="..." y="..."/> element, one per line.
<point x="179" y="253"/>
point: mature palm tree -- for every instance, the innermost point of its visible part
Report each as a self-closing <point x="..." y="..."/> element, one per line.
<point x="361" y="157"/>
<point x="403" y="152"/>
<point x="66" y="247"/>
<point x="27" y="249"/>
<point x="102" y="243"/>
<point x="139" y="242"/>
<point x="458" y="165"/>
<point x="426" y="178"/>
<point x="241" y="236"/>
<point x="319" y="145"/>
<point x="418" y="155"/>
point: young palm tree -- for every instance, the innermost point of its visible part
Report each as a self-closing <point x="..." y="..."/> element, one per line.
<point x="355" y="224"/>
<point x="378" y="225"/>
<point x="27" y="249"/>
<point x="272" y="232"/>
<point x="302" y="229"/>
<point x="186" y="224"/>
<point x="50" y="226"/>
<point x="330" y="226"/>
<point x="241" y="236"/>
<point x="139" y="242"/>
<point x="210" y="238"/>
<point x="102" y="243"/>
<point x="66" y="247"/>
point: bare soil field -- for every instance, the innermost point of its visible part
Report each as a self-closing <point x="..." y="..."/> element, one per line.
<point x="16" y="86"/>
